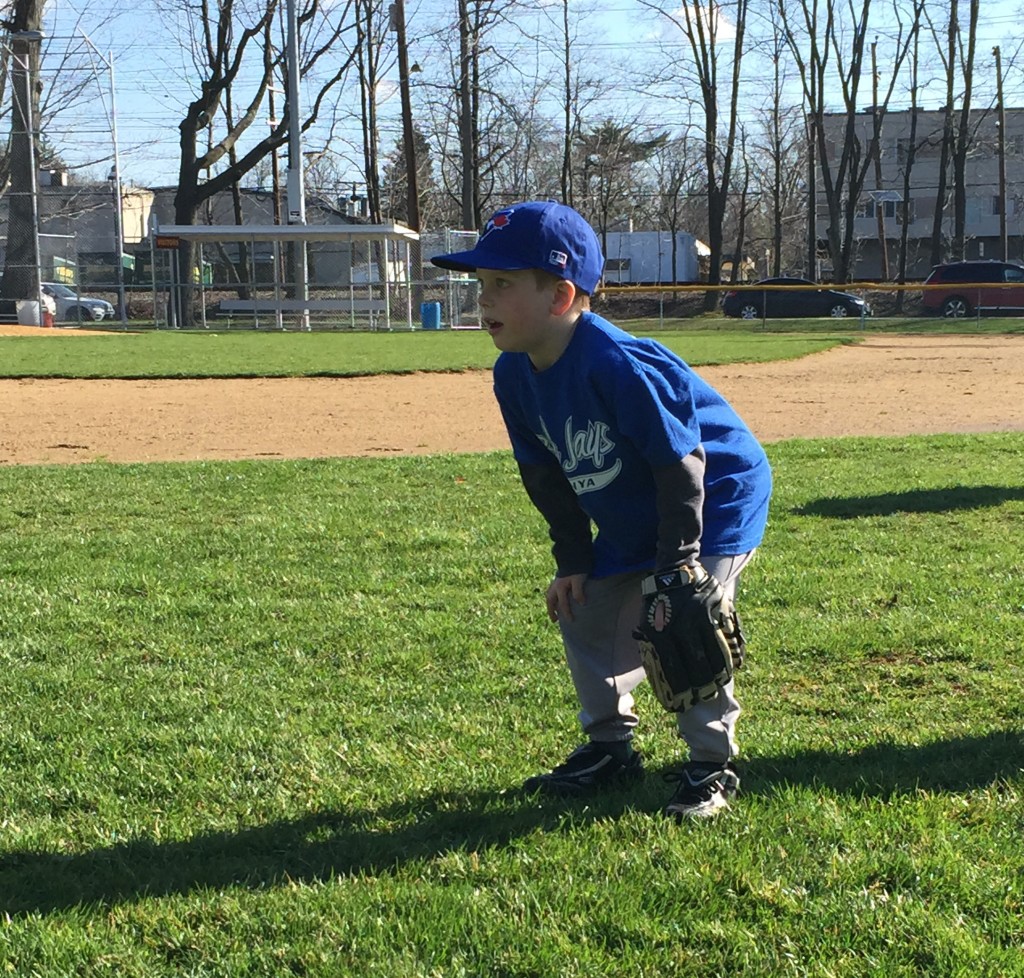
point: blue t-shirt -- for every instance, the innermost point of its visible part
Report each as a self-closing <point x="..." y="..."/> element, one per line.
<point x="612" y="408"/>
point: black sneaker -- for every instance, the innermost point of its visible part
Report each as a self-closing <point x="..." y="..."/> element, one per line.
<point x="704" y="790"/>
<point x="589" y="767"/>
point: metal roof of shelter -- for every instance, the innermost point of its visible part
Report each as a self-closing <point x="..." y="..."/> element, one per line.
<point x="287" y="232"/>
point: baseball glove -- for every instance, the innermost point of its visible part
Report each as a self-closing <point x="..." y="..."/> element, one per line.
<point x="690" y="637"/>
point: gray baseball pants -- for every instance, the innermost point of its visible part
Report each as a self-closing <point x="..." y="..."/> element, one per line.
<point x="604" y="661"/>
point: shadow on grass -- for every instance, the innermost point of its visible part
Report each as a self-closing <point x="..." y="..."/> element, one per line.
<point x="946" y="500"/>
<point x="889" y="770"/>
<point x="329" y="844"/>
<point x="318" y="847"/>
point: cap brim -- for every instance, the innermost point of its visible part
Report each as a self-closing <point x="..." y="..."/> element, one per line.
<point x="470" y="261"/>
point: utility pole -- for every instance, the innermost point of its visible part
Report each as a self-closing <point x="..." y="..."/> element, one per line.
<point x="115" y="176"/>
<point x="877" y="129"/>
<point x="296" y="182"/>
<point x="1001" y="123"/>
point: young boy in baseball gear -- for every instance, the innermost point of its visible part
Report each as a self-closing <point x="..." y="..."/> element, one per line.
<point x="654" y="491"/>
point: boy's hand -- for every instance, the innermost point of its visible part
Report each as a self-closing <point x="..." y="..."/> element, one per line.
<point x="562" y="592"/>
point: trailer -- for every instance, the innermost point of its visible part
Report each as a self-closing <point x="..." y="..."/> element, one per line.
<point x="648" y="258"/>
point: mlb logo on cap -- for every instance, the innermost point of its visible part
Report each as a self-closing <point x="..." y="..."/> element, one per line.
<point x="545" y="235"/>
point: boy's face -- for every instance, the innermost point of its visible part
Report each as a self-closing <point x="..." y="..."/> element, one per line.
<point x="518" y="314"/>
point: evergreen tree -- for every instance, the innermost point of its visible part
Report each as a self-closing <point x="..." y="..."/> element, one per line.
<point x="395" y="182"/>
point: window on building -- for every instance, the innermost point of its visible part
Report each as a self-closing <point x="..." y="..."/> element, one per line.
<point x="892" y="210"/>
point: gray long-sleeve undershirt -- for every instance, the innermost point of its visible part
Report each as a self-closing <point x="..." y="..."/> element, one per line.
<point x="680" y="502"/>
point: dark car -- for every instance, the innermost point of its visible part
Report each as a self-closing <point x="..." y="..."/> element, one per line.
<point x="790" y="298"/>
<point x="968" y="287"/>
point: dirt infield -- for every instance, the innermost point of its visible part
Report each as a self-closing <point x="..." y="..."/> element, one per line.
<point x="888" y="385"/>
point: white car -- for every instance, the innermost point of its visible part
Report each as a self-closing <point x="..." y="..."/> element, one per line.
<point x="73" y="307"/>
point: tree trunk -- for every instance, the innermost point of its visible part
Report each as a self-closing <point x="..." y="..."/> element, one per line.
<point x="947" y="136"/>
<point x="567" y="188"/>
<point x="963" y="140"/>
<point x="466" y="141"/>
<point x="21" y="272"/>
<point x="908" y="170"/>
<point x="812" y="200"/>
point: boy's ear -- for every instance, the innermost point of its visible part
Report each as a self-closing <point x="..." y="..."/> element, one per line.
<point x="564" y="297"/>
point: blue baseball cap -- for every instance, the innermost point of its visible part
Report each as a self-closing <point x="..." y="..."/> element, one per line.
<point x="540" y="234"/>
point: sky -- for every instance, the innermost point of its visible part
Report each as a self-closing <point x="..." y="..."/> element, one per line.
<point x="129" y="54"/>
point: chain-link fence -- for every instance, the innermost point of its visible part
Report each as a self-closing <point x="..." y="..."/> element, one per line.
<point x="451" y="297"/>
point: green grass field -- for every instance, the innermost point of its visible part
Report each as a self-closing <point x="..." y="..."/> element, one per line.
<point x="250" y="354"/>
<point x="268" y="718"/>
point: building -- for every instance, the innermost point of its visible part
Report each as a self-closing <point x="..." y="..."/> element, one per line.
<point x="881" y="209"/>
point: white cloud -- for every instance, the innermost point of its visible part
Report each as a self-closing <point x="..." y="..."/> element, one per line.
<point x="711" y="14"/>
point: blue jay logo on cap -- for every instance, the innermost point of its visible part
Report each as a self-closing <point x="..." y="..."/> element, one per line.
<point x="500" y="220"/>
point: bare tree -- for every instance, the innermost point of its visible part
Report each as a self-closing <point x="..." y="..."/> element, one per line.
<point x="578" y="92"/>
<point x="679" y="186"/>
<point x="957" y="54"/>
<point x="234" y="46"/>
<point x="369" y="50"/>
<point x="908" y="168"/>
<point x="824" y="48"/>
<point x="741" y="204"/>
<point x="480" y="110"/>
<point x="704" y="25"/>
<point x="477" y="155"/>
<point x="779" y="158"/>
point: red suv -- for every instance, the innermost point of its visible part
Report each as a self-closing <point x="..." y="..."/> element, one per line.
<point x="975" y="286"/>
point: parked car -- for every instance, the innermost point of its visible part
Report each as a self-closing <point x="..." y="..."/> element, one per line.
<point x="73" y="307"/>
<point x="809" y="299"/>
<point x="974" y="286"/>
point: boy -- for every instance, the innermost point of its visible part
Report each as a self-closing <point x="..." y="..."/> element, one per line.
<point x="616" y="432"/>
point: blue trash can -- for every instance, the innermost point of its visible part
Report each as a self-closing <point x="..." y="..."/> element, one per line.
<point x="430" y="315"/>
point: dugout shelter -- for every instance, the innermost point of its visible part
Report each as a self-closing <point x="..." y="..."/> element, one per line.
<point x="318" y="276"/>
